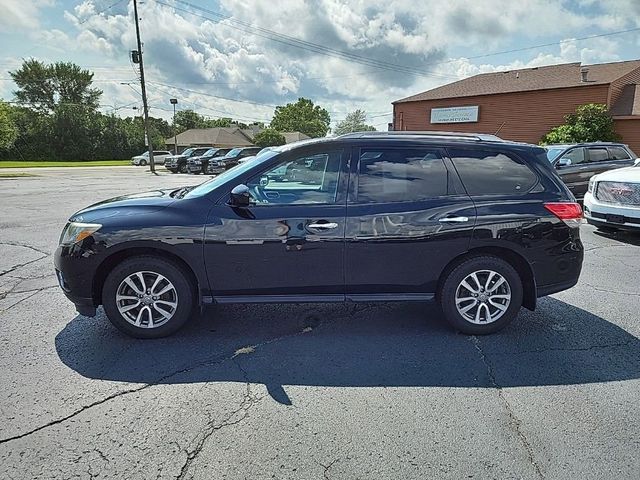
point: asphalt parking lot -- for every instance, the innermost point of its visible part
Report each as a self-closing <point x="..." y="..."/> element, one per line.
<point x="363" y="391"/>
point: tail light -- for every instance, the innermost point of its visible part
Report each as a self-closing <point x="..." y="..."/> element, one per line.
<point x="569" y="212"/>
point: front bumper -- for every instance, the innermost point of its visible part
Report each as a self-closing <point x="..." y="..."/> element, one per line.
<point x="75" y="279"/>
<point x="194" y="168"/>
<point x="605" y="214"/>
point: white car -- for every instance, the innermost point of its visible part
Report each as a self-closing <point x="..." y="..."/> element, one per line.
<point x="158" y="158"/>
<point x="613" y="199"/>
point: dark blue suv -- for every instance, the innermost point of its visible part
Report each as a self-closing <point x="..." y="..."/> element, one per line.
<point x="481" y="225"/>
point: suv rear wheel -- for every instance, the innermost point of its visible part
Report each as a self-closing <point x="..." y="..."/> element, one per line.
<point x="148" y="297"/>
<point x="481" y="295"/>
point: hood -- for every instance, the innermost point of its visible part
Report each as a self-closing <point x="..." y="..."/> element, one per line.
<point x="175" y="157"/>
<point x="627" y="175"/>
<point x="135" y="204"/>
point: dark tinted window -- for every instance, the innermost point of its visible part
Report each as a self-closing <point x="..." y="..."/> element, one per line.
<point x="401" y="175"/>
<point x="598" y="154"/>
<point x="618" y="153"/>
<point x="486" y="172"/>
<point x="576" y="155"/>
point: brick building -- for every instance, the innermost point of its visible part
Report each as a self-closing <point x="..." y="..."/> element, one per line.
<point x="525" y="104"/>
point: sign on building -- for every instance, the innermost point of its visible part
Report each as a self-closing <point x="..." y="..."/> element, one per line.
<point x="454" y="114"/>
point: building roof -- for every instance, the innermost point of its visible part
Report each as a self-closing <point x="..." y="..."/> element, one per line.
<point x="527" y="79"/>
<point x="218" y="137"/>
<point x="291" y="137"/>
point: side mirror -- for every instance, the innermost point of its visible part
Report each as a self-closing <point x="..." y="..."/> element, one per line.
<point x="636" y="161"/>
<point x="240" y="196"/>
<point x="563" y="162"/>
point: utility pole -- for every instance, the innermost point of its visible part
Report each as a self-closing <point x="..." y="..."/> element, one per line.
<point x="147" y="136"/>
<point x="174" y="102"/>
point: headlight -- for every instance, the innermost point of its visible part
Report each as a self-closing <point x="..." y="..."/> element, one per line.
<point x="75" y="232"/>
<point x="592" y="184"/>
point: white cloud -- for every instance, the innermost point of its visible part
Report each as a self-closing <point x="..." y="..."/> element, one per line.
<point x="19" y="15"/>
<point x="220" y="58"/>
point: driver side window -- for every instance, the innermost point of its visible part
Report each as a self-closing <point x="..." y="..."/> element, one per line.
<point x="299" y="180"/>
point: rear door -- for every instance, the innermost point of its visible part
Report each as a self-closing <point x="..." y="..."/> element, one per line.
<point x="407" y="217"/>
<point x="576" y="175"/>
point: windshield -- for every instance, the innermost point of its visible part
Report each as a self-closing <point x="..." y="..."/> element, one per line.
<point x="229" y="175"/>
<point x="553" y="153"/>
<point x="210" y="152"/>
<point x="187" y="152"/>
<point x="233" y="153"/>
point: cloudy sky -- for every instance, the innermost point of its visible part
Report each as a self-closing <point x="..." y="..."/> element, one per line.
<point x="240" y="58"/>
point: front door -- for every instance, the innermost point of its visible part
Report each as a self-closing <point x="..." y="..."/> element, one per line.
<point x="407" y="217"/>
<point x="290" y="240"/>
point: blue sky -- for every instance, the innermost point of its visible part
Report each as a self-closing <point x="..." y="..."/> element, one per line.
<point x="229" y="58"/>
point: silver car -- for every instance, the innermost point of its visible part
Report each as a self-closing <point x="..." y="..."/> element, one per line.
<point x="143" y="160"/>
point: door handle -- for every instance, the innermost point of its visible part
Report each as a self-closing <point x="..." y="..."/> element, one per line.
<point x="323" y="226"/>
<point x="454" y="219"/>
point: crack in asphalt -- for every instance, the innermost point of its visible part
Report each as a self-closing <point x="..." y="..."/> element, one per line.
<point x="568" y="349"/>
<point x="600" y="289"/>
<point x="13" y="292"/>
<point x="209" y="362"/>
<point x="514" y="421"/>
<point x="35" y="249"/>
<point x="327" y="467"/>
<point x="249" y="400"/>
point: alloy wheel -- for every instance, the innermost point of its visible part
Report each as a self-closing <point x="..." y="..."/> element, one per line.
<point x="146" y="299"/>
<point x="483" y="297"/>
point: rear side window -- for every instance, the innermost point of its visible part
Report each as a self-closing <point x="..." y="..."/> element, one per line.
<point x="618" y="153"/>
<point x="598" y="154"/>
<point x="486" y="172"/>
<point x="401" y="175"/>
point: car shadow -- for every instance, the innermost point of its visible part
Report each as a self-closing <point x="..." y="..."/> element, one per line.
<point x="358" y="345"/>
<point x="625" y="236"/>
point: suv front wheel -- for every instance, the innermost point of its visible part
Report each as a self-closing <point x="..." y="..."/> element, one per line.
<point x="481" y="295"/>
<point x="148" y="297"/>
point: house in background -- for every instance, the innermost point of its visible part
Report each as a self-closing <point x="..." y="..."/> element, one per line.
<point x="223" y="137"/>
<point x="523" y="105"/>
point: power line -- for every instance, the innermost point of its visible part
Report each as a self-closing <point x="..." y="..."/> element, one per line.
<point x="303" y="44"/>
<point x="100" y="12"/>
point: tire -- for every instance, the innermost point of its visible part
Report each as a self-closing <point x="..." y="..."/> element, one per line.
<point x="182" y="168"/>
<point x="488" y="270"/>
<point x="143" y="163"/>
<point x="180" y="292"/>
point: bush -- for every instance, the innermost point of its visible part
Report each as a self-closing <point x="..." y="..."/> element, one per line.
<point x="590" y="123"/>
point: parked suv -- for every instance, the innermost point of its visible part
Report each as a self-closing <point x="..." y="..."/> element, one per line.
<point x="199" y="164"/>
<point x="159" y="157"/>
<point x="481" y="225"/>
<point x="577" y="163"/>
<point x="178" y="163"/>
<point x="231" y="159"/>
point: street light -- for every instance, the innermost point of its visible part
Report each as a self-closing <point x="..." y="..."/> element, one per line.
<point x="174" y="102"/>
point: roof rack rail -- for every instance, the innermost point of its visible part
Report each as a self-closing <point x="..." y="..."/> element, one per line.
<point x="430" y="133"/>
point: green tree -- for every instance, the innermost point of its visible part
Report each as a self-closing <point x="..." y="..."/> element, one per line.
<point x="188" y="119"/>
<point x="269" y="138"/>
<point x="302" y="116"/>
<point x="590" y="123"/>
<point x="46" y="86"/>
<point x="8" y="129"/>
<point x="354" y="122"/>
